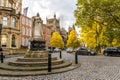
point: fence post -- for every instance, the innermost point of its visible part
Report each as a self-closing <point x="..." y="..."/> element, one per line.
<point x="49" y="62"/>
<point x="60" y="54"/>
<point x="76" y="58"/>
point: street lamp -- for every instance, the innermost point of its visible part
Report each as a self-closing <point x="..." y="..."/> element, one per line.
<point x="0" y="33"/>
<point x="0" y="45"/>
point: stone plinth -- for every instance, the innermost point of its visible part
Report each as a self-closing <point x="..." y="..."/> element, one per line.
<point x="36" y="54"/>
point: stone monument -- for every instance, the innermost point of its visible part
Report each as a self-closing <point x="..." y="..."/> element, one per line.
<point x="37" y="42"/>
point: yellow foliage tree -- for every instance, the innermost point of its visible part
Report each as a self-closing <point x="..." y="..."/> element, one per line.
<point x="73" y="40"/>
<point x="94" y="36"/>
<point x="56" y="40"/>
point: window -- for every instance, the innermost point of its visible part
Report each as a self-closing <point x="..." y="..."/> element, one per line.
<point x="4" y="40"/>
<point x="30" y="32"/>
<point x="13" y="41"/>
<point x="27" y="32"/>
<point x="13" y="22"/>
<point x="23" y="41"/>
<point x="27" y="21"/>
<point x="2" y="2"/>
<point x="26" y="42"/>
<point x="5" y="21"/>
<point x="23" y="20"/>
<point x="10" y="5"/>
<point x="23" y="30"/>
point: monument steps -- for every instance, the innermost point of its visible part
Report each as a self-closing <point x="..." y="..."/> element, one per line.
<point x="33" y="64"/>
<point x="39" y="68"/>
<point x="11" y="73"/>
<point x="35" y="59"/>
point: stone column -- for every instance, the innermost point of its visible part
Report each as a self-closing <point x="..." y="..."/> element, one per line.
<point x="6" y="3"/>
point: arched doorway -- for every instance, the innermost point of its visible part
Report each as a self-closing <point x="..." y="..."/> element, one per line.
<point x="13" y="41"/>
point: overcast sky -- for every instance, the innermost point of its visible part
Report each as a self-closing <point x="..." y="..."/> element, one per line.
<point x="64" y="10"/>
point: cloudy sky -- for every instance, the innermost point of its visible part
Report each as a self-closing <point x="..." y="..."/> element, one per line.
<point x="62" y="8"/>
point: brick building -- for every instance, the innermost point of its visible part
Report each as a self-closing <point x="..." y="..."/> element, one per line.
<point x="26" y="30"/>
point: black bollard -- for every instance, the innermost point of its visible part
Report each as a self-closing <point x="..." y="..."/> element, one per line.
<point x="49" y="62"/>
<point x="76" y="58"/>
<point x="2" y="58"/>
<point x="60" y="54"/>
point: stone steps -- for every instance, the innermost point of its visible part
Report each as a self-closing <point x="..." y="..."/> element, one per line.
<point x="35" y="59"/>
<point x="33" y="64"/>
<point x="40" y="68"/>
<point x="11" y="73"/>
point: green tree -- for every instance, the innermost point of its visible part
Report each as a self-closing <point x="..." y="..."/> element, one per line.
<point x="106" y="13"/>
<point x="56" y="40"/>
<point x="73" y="40"/>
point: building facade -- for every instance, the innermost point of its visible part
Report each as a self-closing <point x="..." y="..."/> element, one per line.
<point x="53" y="23"/>
<point x="10" y="11"/>
<point x="47" y="35"/>
<point x="26" y="30"/>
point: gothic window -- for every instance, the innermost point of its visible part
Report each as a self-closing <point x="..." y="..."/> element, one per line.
<point x="13" y="41"/>
<point x="5" y="21"/>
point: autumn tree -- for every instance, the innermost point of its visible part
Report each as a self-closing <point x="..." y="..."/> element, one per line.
<point x="94" y="36"/>
<point x="106" y="13"/>
<point x="56" y="40"/>
<point x="73" y="40"/>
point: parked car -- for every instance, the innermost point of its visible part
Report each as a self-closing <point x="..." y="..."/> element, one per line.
<point x="84" y="51"/>
<point x="69" y="50"/>
<point x="111" y="51"/>
<point x="56" y="50"/>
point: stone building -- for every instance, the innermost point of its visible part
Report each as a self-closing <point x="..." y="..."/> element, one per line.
<point x="53" y="23"/>
<point x="10" y="11"/>
<point x="63" y="33"/>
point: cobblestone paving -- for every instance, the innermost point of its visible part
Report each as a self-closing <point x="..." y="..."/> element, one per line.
<point x="92" y="68"/>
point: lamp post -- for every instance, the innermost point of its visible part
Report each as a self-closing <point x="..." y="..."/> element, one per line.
<point x="0" y="33"/>
<point x="0" y="45"/>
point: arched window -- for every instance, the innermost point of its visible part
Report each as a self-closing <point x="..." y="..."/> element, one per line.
<point x="13" y="41"/>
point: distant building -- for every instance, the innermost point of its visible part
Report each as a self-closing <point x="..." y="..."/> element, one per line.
<point x="10" y="11"/>
<point x="63" y="33"/>
<point x="53" y="23"/>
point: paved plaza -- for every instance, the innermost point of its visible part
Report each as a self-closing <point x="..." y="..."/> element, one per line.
<point x="92" y="68"/>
